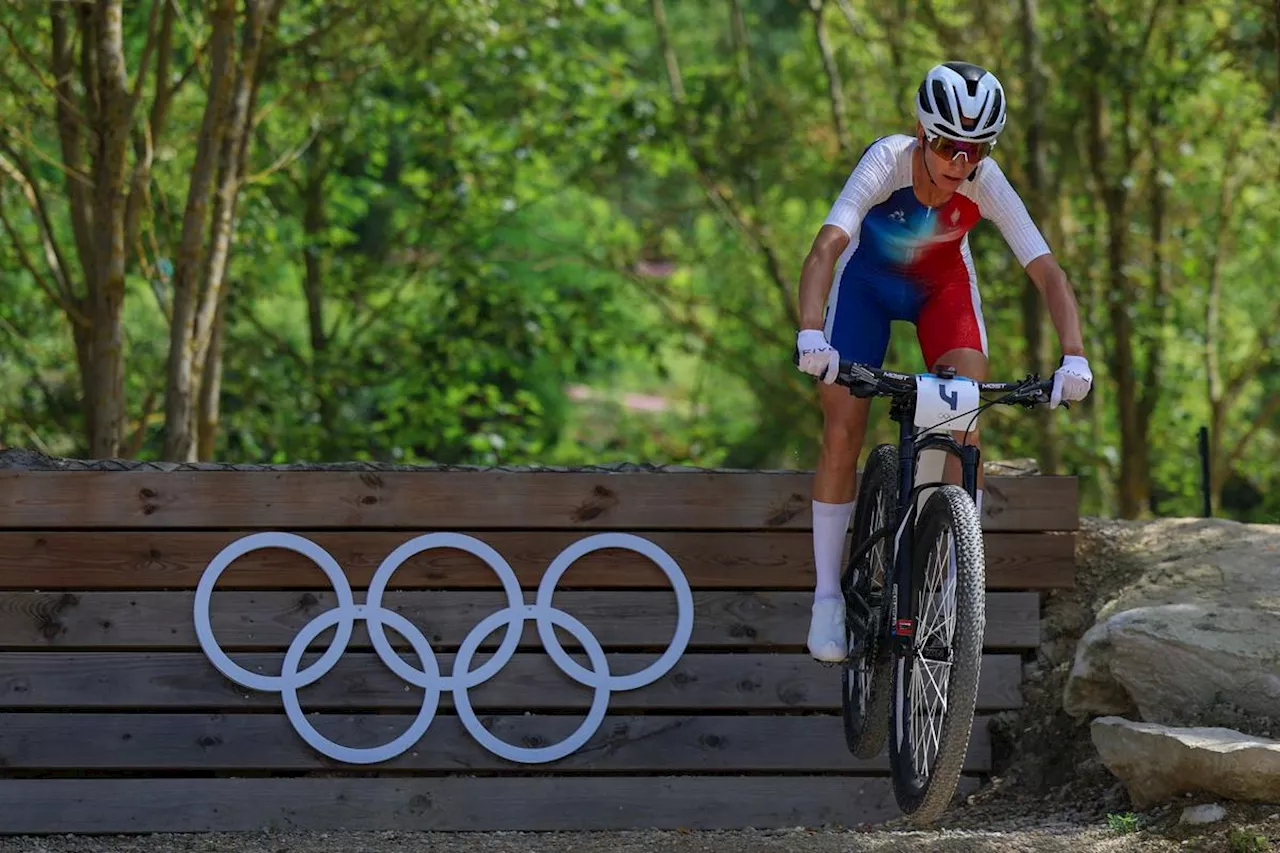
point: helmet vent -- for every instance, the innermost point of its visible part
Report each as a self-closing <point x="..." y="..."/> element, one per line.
<point x="940" y="99"/>
<point x="995" y="109"/>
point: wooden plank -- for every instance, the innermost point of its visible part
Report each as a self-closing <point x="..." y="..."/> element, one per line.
<point x="271" y="619"/>
<point x="698" y="681"/>
<point x="807" y="743"/>
<point x="31" y="806"/>
<point x="176" y="560"/>
<point x="447" y="500"/>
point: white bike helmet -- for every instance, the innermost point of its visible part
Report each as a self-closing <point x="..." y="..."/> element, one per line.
<point x="961" y="101"/>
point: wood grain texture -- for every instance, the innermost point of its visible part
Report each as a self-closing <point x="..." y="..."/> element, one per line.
<point x="807" y="743"/>
<point x="760" y="560"/>
<point x="443" y="804"/>
<point x="270" y="620"/>
<point x="699" y="681"/>
<point x="449" y="500"/>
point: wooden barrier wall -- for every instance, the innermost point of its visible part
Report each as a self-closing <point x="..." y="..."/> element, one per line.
<point x="113" y="719"/>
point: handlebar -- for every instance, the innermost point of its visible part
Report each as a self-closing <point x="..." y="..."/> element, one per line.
<point x="863" y="380"/>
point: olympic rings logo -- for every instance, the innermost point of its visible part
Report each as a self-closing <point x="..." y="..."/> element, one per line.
<point x="378" y="619"/>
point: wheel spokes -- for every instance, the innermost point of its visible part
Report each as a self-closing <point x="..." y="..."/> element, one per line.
<point x="931" y="668"/>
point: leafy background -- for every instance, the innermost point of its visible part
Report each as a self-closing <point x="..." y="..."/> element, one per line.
<point x="570" y="231"/>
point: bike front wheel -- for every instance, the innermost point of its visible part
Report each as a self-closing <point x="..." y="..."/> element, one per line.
<point x="935" y="684"/>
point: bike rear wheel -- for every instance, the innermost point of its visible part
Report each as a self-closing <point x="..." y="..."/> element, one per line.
<point x="865" y="677"/>
<point x="935" y="685"/>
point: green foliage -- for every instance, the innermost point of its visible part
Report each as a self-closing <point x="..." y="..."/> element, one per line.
<point x="483" y="232"/>
<point x="1122" y="824"/>
<point x="1245" y="841"/>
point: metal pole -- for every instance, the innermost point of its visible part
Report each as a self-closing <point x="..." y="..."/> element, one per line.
<point x="1206" y="499"/>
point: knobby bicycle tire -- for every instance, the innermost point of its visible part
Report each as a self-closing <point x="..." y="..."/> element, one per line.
<point x="866" y="705"/>
<point x="925" y="795"/>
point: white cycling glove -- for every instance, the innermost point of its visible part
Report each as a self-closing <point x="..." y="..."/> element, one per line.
<point x="1071" y="381"/>
<point x="817" y="357"/>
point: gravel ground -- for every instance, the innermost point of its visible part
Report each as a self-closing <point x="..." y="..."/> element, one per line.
<point x="1064" y="840"/>
<point x="789" y="841"/>
<point x="1012" y="826"/>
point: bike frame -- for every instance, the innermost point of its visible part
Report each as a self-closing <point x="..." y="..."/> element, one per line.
<point x="901" y="628"/>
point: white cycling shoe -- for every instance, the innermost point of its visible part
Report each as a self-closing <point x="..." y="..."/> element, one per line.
<point x="826" y="630"/>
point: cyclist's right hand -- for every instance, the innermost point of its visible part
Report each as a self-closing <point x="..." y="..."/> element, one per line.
<point x="817" y="357"/>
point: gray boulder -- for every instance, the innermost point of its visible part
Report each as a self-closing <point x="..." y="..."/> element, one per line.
<point x="1198" y="628"/>
<point x="1157" y="763"/>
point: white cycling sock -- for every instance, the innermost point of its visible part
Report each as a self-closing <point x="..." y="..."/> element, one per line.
<point x="979" y="504"/>
<point x="830" y="524"/>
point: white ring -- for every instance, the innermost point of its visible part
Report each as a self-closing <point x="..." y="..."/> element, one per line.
<point x="542" y="610"/>
<point x="531" y="755"/>
<point x="351" y="754"/>
<point x="463" y="542"/>
<point x="291" y="542"/>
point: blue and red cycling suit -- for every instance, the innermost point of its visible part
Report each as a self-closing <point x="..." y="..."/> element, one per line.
<point x="907" y="261"/>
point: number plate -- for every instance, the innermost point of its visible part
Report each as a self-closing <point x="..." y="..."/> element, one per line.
<point x="945" y="401"/>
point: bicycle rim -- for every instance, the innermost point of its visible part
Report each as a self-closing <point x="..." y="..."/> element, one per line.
<point x="865" y="676"/>
<point x="935" y="686"/>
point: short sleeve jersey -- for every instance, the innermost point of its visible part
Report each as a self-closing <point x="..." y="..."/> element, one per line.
<point x="892" y="232"/>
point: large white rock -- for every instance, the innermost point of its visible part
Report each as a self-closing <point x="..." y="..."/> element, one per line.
<point x="1158" y="762"/>
<point x="1198" y="628"/>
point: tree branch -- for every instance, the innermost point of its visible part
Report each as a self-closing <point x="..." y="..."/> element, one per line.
<point x="949" y="36"/>
<point x="846" y="8"/>
<point x="52" y="86"/>
<point x="1149" y="29"/>
<point x="1258" y="358"/>
<point x="1264" y="418"/>
<point x="20" y="173"/>
<point x="70" y="122"/>
<point x="835" y="92"/>
<point x="145" y="139"/>
<point x="285" y="160"/>
<point x="51" y="290"/>
<point x="668" y="50"/>
<point x="144" y="61"/>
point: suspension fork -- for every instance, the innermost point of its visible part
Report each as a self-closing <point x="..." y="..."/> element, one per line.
<point x="901" y="628"/>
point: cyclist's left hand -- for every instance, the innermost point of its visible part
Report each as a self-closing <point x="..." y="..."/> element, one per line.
<point x="1071" y="381"/>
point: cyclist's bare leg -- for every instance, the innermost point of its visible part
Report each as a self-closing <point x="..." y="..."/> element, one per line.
<point x="844" y="424"/>
<point x="834" y="486"/>
<point x="972" y="364"/>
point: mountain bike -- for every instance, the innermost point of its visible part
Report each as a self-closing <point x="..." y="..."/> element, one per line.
<point x="915" y="632"/>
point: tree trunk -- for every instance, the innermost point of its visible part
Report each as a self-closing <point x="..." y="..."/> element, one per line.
<point x="1033" y="306"/>
<point x="1132" y="487"/>
<point x="211" y="389"/>
<point x="178" y="444"/>
<point x="314" y="222"/>
<point x="198" y="278"/>
<point x="94" y="111"/>
<point x="1134" y="484"/>
<point x="107" y="299"/>
<point x="1104" y="472"/>
<point x="1219" y="396"/>
<point x="1155" y="324"/>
